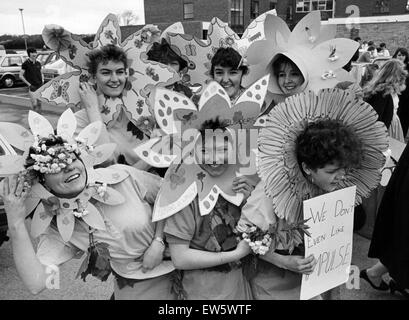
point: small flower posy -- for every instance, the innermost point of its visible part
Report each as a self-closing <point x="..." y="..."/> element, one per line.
<point x="258" y="241"/>
<point x="55" y="158"/>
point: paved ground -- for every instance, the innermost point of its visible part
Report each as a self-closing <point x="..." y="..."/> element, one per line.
<point x="19" y="90"/>
<point x="12" y="288"/>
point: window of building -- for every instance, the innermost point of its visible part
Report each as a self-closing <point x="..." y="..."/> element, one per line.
<point x="381" y="7"/>
<point x="255" y="9"/>
<point x="237" y="15"/>
<point x="325" y="6"/>
<point x="188" y="11"/>
<point x="311" y="5"/>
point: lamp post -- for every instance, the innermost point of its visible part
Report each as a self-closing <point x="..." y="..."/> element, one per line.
<point x="24" y="29"/>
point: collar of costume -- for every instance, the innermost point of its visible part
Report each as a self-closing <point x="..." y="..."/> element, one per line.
<point x="143" y="75"/>
<point x="47" y="205"/>
<point x="198" y="53"/>
<point x="312" y="47"/>
<point x="185" y="180"/>
<point x="277" y="162"/>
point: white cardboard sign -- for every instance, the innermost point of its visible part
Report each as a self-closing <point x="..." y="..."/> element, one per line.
<point x="331" y="226"/>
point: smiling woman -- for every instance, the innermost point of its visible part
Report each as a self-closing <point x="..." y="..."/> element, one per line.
<point x="77" y="209"/>
<point x="228" y="70"/>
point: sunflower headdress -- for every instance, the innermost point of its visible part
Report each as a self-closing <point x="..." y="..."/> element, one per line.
<point x="143" y="76"/>
<point x="38" y="157"/>
<point x="312" y="47"/>
<point x="277" y="164"/>
<point x="185" y="179"/>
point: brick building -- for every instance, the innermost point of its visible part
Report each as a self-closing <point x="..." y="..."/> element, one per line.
<point x="378" y="20"/>
<point x="196" y="14"/>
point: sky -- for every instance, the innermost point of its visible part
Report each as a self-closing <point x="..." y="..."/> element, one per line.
<point x="76" y="16"/>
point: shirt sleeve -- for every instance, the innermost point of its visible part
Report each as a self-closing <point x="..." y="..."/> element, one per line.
<point x="52" y="250"/>
<point x="181" y="227"/>
<point x="148" y="184"/>
<point x="24" y="66"/>
<point x="258" y="210"/>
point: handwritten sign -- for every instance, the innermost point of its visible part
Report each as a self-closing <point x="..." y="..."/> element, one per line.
<point x="331" y="227"/>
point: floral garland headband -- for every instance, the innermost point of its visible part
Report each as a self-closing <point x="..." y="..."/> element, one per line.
<point x="52" y="159"/>
<point x="43" y="158"/>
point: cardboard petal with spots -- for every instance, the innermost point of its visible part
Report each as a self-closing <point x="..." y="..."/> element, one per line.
<point x="312" y="47"/>
<point x="47" y="206"/>
<point x="254" y="31"/>
<point x="143" y="75"/>
<point x="175" y="28"/>
<point x="186" y="178"/>
<point x="199" y="52"/>
<point x="176" y="114"/>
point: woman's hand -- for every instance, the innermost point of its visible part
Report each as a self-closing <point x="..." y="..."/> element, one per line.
<point x="153" y="256"/>
<point x="299" y="264"/>
<point x="242" y="249"/>
<point x="14" y="194"/>
<point x="243" y="185"/>
<point x="89" y="101"/>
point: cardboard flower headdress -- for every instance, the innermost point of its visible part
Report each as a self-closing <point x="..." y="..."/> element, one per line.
<point x="143" y="75"/>
<point x="199" y="52"/>
<point x="185" y="178"/>
<point x="52" y="159"/>
<point x="277" y="162"/>
<point x="312" y="47"/>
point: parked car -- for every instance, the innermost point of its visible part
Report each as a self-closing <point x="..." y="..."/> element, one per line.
<point x="55" y="68"/>
<point x="5" y="149"/>
<point x="10" y="66"/>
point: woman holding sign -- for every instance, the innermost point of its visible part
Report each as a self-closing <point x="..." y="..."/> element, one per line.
<point x="331" y="142"/>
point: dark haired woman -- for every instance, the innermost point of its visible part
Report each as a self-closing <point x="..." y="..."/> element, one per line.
<point x="163" y="53"/>
<point x="227" y="69"/>
<point x="108" y="70"/>
<point x="304" y="154"/>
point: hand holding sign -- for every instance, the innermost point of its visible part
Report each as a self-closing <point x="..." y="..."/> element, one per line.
<point x="331" y="228"/>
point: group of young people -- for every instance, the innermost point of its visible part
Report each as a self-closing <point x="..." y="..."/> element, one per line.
<point x="201" y="245"/>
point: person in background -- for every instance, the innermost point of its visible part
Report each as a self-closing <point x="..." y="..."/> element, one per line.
<point x="372" y="44"/>
<point x="368" y="55"/>
<point x="402" y="54"/>
<point x="383" y="52"/>
<point x="382" y="94"/>
<point x="391" y="234"/>
<point x="31" y="75"/>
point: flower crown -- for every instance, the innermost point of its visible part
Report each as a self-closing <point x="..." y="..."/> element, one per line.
<point x="40" y="157"/>
<point x="52" y="159"/>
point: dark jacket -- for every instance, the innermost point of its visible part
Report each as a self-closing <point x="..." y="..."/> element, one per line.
<point x="383" y="106"/>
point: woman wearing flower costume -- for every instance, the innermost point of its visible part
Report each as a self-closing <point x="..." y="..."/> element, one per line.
<point x="112" y="82"/>
<point x="105" y="212"/>
<point x="311" y="145"/>
<point x="309" y="53"/>
<point x="203" y="188"/>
